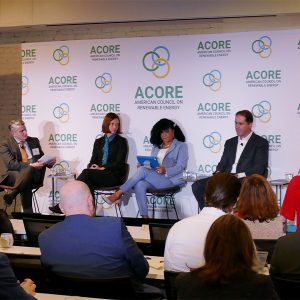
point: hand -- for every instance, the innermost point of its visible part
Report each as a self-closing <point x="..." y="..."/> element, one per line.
<point x="29" y="286"/>
<point x="37" y="165"/>
<point x="160" y="170"/>
<point x="52" y="163"/>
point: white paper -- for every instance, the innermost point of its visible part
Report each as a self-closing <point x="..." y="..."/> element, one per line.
<point x="46" y="159"/>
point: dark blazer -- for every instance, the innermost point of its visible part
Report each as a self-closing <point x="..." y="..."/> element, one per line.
<point x="10" y="155"/>
<point x="243" y="286"/>
<point x="92" y="247"/>
<point x="9" y="287"/>
<point x="117" y="155"/>
<point x="253" y="160"/>
<point x="285" y="260"/>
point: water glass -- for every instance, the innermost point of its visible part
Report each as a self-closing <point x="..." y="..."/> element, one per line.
<point x="7" y="240"/>
<point x="289" y="176"/>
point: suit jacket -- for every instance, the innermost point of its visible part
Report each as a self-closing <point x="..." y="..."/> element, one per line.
<point x="92" y="247"/>
<point x="9" y="287"/>
<point x="117" y="155"/>
<point x="175" y="161"/>
<point x="253" y="160"/>
<point x="243" y="286"/>
<point x="285" y="260"/>
<point x="10" y="155"/>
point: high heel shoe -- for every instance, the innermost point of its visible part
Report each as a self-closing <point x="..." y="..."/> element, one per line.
<point x="105" y="199"/>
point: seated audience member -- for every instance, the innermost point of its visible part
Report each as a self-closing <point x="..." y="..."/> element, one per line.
<point x="107" y="166"/>
<point x="291" y="203"/>
<point x="185" y="241"/>
<point x="228" y="272"/>
<point x="20" y="166"/>
<point x="10" y="288"/>
<point x="172" y="154"/>
<point x="243" y="155"/>
<point x="285" y="260"/>
<point x="257" y="205"/>
<point x="5" y="223"/>
<point x="83" y="245"/>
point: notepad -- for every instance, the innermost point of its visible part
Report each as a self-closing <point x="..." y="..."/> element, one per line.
<point x="148" y="161"/>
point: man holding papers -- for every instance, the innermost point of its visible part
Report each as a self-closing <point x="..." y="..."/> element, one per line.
<point x="22" y="164"/>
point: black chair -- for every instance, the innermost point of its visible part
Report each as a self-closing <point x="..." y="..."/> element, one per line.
<point x="34" y="198"/>
<point x="22" y="215"/>
<point x="158" y="236"/>
<point x="110" y="288"/>
<point x="286" y="288"/>
<point x="171" y="291"/>
<point x="34" y="227"/>
<point x="109" y="190"/>
<point x="165" y="196"/>
<point x="265" y="245"/>
<point x="141" y="221"/>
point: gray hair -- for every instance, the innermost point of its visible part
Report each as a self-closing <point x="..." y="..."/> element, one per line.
<point x="14" y="123"/>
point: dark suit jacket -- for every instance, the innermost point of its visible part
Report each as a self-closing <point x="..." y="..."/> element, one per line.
<point x="92" y="247"/>
<point x="243" y="286"/>
<point x="117" y="155"/>
<point x="253" y="160"/>
<point x="285" y="260"/>
<point x="9" y="287"/>
<point x="10" y="155"/>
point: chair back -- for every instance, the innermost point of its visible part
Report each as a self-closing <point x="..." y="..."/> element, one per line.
<point x="265" y="245"/>
<point x="34" y="227"/>
<point x="171" y="291"/>
<point x="158" y="236"/>
<point x="119" y="287"/>
<point x="286" y="288"/>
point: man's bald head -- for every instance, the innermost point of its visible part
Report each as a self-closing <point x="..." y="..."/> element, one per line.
<point x="76" y="198"/>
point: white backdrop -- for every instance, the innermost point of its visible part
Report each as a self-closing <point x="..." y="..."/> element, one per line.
<point x="199" y="81"/>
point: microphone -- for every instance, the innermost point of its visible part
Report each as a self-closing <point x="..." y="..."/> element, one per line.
<point x="242" y="144"/>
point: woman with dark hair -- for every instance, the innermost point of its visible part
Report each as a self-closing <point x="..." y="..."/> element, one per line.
<point x="257" y="205"/>
<point x="228" y="272"/>
<point x="107" y="166"/>
<point x="172" y="155"/>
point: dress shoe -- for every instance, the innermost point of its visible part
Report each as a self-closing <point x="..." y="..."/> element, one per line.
<point x="9" y="197"/>
<point x="56" y="209"/>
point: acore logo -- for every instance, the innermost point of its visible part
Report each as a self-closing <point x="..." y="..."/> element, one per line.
<point x="157" y="61"/>
<point x="213" y="80"/>
<point x="212" y="141"/>
<point x="262" y="111"/>
<point x="262" y="46"/>
<point x="61" y="112"/>
<point x="103" y="82"/>
<point x="25" y="85"/>
<point x="61" y="55"/>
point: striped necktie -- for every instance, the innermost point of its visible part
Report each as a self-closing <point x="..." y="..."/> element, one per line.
<point x="23" y="153"/>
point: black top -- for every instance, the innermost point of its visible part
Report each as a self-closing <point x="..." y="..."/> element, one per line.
<point x="243" y="286"/>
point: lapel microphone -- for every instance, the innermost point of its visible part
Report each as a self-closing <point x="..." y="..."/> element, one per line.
<point x="242" y="144"/>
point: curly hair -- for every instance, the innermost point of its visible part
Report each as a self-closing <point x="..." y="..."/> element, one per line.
<point x="257" y="200"/>
<point x="160" y="126"/>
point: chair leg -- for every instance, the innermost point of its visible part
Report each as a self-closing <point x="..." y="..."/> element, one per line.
<point x="35" y="203"/>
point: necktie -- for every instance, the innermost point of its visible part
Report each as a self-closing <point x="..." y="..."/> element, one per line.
<point x="23" y="153"/>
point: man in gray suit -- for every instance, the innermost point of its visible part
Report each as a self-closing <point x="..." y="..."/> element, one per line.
<point x="244" y="155"/>
<point x="20" y="166"/>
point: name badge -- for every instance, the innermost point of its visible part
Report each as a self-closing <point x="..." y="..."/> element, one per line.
<point x="36" y="151"/>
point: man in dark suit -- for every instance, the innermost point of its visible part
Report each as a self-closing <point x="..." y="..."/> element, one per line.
<point x="244" y="155"/>
<point x="9" y="286"/>
<point x="20" y="166"/>
<point x="83" y="245"/>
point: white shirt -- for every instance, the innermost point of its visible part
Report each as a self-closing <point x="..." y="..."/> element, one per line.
<point x="27" y="149"/>
<point x="239" y="149"/>
<point x="185" y="242"/>
<point x="161" y="155"/>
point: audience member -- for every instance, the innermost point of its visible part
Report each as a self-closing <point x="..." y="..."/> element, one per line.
<point x="84" y="245"/>
<point x="285" y="260"/>
<point x="172" y="155"/>
<point x="10" y="288"/>
<point x="228" y="272"/>
<point x="257" y="205"/>
<point x="291" y="203"/>
<point x="185" y="241"/>
<point x="5" y="223"/>
<point x="20" y="165"/>
<point x="107" y="166"/>
<point x="243" y="155"/>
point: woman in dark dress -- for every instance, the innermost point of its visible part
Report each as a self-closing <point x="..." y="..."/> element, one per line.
<point x="229" y="270"/>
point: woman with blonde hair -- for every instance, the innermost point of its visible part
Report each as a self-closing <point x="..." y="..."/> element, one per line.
<point x="228" y="272"/>
<point x="257" y="205"/>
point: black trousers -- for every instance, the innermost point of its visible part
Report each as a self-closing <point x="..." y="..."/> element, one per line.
<point x="97" y="178"/>
<point x="24" y="181"/>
